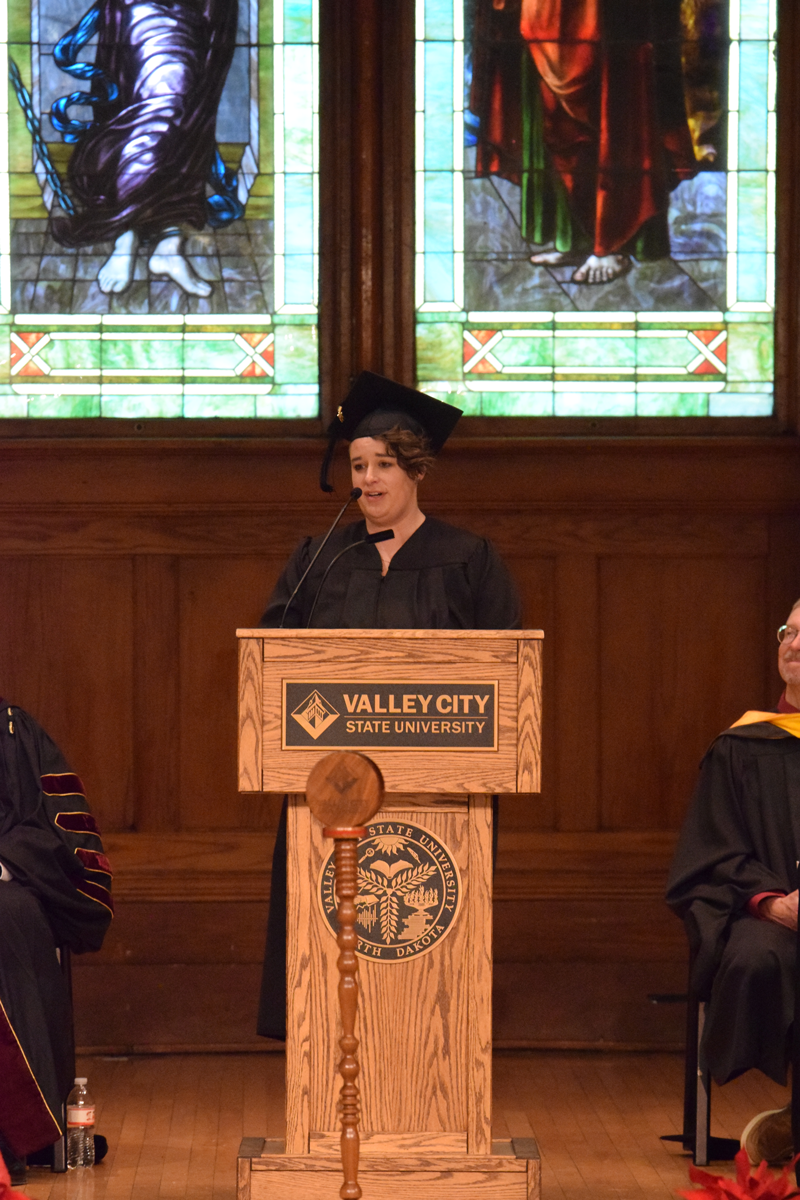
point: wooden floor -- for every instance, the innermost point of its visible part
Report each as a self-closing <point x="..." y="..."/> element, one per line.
<point x="174" y="1122"/>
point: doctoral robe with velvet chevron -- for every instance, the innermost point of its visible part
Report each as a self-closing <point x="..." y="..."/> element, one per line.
<point x="58" y="895"/>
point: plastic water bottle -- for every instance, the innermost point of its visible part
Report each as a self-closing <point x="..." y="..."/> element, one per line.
<point x="80" y="1126"/>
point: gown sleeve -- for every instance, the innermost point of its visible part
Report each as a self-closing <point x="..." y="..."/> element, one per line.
<point x="50" y="841"/>
<point x="290" y="577"/>
<point x="496" y="599"/>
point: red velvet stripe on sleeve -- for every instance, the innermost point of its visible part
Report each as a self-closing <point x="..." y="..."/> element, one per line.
<point x="77" y="822"/>
<point x="62" y="785"/>
<point x="93" y="860"/>
<point x="95" y="891"/>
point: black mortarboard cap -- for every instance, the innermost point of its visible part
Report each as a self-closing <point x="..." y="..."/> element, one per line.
<point x="374" y="405"/>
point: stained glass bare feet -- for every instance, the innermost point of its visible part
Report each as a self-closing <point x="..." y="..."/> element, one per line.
<point x="554" y="258"/>
<point x="116" y="272"/>
<point x="602" y="268"/>
<point x="167" y="259"/>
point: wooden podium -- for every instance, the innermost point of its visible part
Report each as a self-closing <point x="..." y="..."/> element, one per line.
<point x="450" y="718"/>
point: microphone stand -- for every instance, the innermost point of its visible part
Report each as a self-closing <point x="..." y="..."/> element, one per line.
<point x="371" y="539"/>
<point x="354" y="495"/>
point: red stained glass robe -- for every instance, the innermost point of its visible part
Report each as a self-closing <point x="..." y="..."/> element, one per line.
<point x="608" y="78"/>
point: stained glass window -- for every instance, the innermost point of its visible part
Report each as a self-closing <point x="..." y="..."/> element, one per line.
<point x="595" y="206"/>
<point x="158" y="209"/>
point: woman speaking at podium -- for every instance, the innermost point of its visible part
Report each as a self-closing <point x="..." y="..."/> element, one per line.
<point x="422" y="574"/>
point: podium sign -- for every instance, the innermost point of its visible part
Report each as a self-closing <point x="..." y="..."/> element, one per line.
<point x="438" y="711"/>
<point x="369" y="715"/>
<point x="449" y="717"/>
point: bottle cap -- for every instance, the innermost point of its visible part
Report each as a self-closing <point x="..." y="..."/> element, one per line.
<point x="81" y="1079"/>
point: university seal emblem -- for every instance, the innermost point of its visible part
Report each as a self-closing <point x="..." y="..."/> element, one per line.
<point x="409" y="892"/>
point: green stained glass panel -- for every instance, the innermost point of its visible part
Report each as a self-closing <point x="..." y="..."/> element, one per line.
<point x="119" y="320"/>
<point x="438" y="18"/>
<point x="439" y="350"/>
<point x="753" y="69"/>
<point x="160" y="354"/>
<point x="568" y="299"/>
<point x="439" y="213"/>
<point x="64" y="406"/>
<point x="75" y="354"/>
<point x="299" y="136"/>
<point x="751" y="352"/>
<point x="438" y="106"/>
<point x="285" y="403"/>
<point x="296" y="353"/>
<point x="13" y="406"/>
<point x="613" y="352"/>
<point x="752" y="277"/>
<point x="219" y="406"/>
<point x="754" y="18"/>
<point x="752" y="231"/>
<point x="740" y="404"/>
<point x="533" y="350"/>
<point x="595" y="404"/>
<point x="438" y="275"/>
<point x="672" y="404"/>
<point x="298" y="20"/>
<point x="141" y="405"/>
<point x="516" y="404"/>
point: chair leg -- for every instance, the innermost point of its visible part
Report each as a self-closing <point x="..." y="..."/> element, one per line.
<point x="702" y="1097"/>
<point x="60" y="1147"/>
<point x="690" y="1074"/>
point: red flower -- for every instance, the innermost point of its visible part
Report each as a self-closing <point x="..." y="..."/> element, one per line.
<point x="6" y="1190"/>
<point x="760" y="1185"/>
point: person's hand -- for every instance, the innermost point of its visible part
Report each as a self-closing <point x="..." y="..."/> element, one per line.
<point x="780" y="909"/>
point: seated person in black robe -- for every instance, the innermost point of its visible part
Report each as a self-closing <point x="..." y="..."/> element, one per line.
<point x="429" y="575"/>
<point x="733" y="881"/>
<point x="54" y="891"/>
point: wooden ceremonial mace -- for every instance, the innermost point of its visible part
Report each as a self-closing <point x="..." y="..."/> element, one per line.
<point x="344" y="791"/>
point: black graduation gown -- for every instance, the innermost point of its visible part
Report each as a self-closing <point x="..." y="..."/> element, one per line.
<point x="59" y="895"/>
<point x="741" y="837"/>
<point x="441" y="578"/>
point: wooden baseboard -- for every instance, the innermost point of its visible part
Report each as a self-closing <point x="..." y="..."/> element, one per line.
<point x="126" y="1050"/>
<point x="271" y="1047"/>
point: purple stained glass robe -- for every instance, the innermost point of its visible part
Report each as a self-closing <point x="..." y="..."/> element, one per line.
<point x="145" y="163"/>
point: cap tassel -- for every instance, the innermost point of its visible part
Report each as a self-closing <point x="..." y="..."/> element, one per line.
<point x="333" y="437"/>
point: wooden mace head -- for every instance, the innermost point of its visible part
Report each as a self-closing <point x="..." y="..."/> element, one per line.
<point x="344" y="790"/>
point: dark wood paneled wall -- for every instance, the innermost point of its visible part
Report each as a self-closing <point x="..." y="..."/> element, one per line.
<point x="658" y="556"/>
<point x="657" y="568"/>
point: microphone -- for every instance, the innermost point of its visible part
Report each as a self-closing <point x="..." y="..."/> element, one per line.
<point x="354" y="495"/>
<point x="371" y="539"/>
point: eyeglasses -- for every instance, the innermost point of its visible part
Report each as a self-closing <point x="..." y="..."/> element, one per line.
<point x="787" y="633"/>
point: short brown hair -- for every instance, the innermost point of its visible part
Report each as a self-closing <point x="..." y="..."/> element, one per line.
<point x="412" y="451"/>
